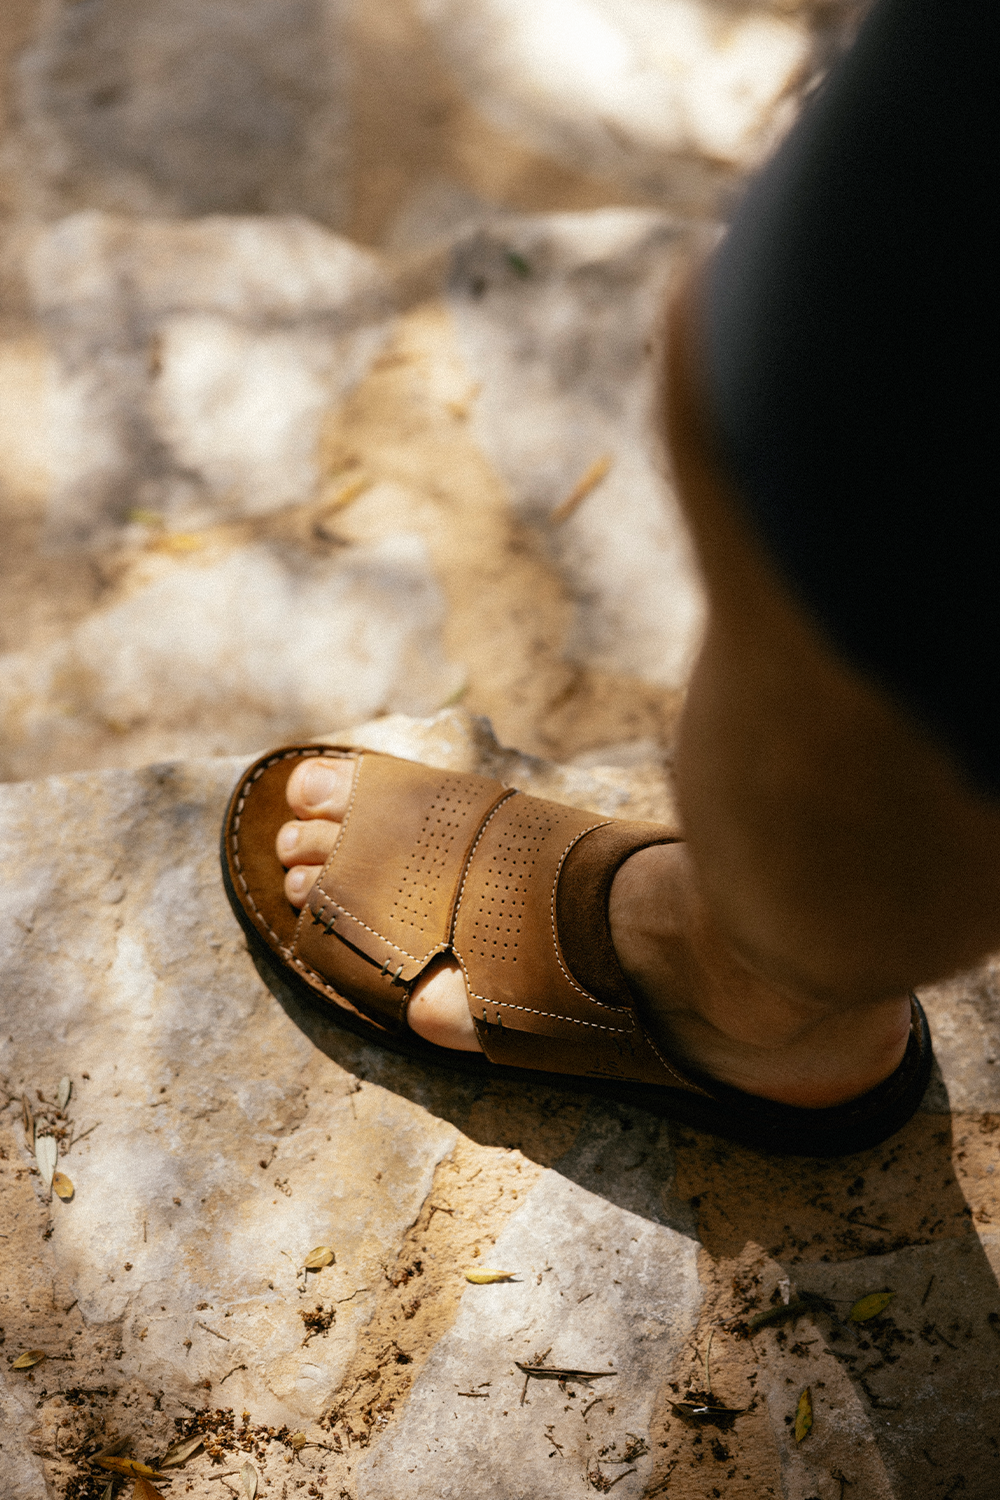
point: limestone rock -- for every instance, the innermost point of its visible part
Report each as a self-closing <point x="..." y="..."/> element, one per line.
<point x="182" y="108"/>
<point x="560" y="320"/>
<point x="192" y="364"/>
<point x="621" y="86"/>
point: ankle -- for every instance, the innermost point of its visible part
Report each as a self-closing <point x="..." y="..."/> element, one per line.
<point x="710" y="1011"/>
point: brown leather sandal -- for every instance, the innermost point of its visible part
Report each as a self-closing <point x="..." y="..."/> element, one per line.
<point x="516" y="889"/>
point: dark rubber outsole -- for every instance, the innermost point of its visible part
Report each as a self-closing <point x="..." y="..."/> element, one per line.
<point x="745" y="1119"/>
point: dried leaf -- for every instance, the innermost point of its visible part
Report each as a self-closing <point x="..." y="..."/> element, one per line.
<point x="46" y="1155"/>
<point x="62" y="1186"/>
<point x="65" y="1089"/>
<point x="144" y="1491"/>
<point x="870" y="1306"/>
<point x="28" y="1358"/>
<point x="248" y="1474"/>
<point x="702" y="1410"/>
<point x="109" y="1490"/>
<point x="181" y="1452"/>
<point x="298" y="1441"/>
<point x="485" y="1277"/>
<point x="117" y="1445"/>
<point x="589" y="481"/>
<point x="803" y="1416"/>
<point x="181" y="541"/>
<point x="318" y="1258"/>
<point x="808" y="1302"/>
<point x="129" y="1466"/>
<point x="342" y="493"/>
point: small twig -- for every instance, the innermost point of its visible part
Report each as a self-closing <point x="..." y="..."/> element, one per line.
<point x="583" y="1298"/>
<point x="556" y="1372"/>
<point x="477" y="1395"/>
<point x="659" y="1488"/>
<point x="231" y="1372"/>
<point x="227" y="1475"/>
<point x="592" y="1403"/>
<point x="212" y="1331"/>
<point x="74" y="1140"/>
<point x="927" y="1292"/>
<point x="439" y="1208"/>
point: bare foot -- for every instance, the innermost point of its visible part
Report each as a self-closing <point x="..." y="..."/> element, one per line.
<point x="698" y="1001"/>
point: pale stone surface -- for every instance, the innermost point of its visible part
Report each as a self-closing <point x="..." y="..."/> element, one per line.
<point x="187" y="108"/>
<point x="175" y="1263"/>
<point x="561" y="321"/>
<point x="601" y="1290"/>
<point x="624" y="84"/>
<point x="192" y="363"/>
<point x="198" y="644"/>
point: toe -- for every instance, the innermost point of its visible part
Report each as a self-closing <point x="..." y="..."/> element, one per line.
<point x="320" y="788"/>
<point x="299" y="882"/>
<point x="309" y="843"/>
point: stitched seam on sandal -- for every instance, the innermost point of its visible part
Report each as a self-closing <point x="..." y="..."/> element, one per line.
<point x="431" y="952"/>
<point x="304" y="754"/>
<point x="329" y="901"/>
<point x="689" y="1084"/>
<point x="550" y="1014"/>
<point x="617" y="1009"/>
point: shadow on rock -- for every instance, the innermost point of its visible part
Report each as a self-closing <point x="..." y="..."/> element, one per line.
<point x="900" y="1218"/>
<point x="623" y="1155"/>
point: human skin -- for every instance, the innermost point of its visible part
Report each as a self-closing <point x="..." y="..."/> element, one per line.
<point x="834" y="856"/>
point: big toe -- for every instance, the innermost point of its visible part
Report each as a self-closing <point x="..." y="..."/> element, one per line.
<point x="320" y="787"/>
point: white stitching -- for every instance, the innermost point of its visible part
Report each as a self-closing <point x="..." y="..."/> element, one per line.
<point x="555" y="935"/>
<point x="550" y="1014"/>
<point x="688" y="1082"/>
<point x="304" y="753"/>
<point x="468" y="863"/>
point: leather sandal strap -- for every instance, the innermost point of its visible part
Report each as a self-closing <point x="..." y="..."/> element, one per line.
<point x="529" y="1007"/>
<point x="384" y="903"/>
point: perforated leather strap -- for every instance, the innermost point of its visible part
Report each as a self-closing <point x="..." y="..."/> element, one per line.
<point x="529" y="1008"/>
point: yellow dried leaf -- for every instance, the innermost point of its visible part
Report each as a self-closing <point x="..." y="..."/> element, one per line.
<point x="342" y="493"/>
<point x="28" y="1358"/>
<point x="144" y="1491"/>
<point x="181" y="1452"/>
<point x="318" y="1258"/>
<point x="486" y="1276"/>
<point x="128" y="1466"/>
<point x="62" y="1186"/>
<point x="181" y="541"/>
<point x="248" y="1474"/>
<point x="803" y="1416"/>
<point x="298" y="1440"/>
<point x="870" y="1306"/>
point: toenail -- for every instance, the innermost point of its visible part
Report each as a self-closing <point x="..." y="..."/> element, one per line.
<point x="316" y="783"/>
<point x="288" y="840"/>
<point x="300" y="881"/>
